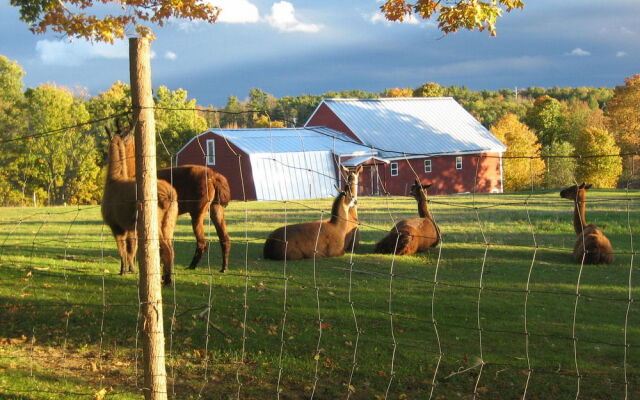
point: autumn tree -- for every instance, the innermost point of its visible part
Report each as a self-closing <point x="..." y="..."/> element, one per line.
<point x="561" y="165"/>
<point x="397" y="92"/>
<point x="452" y="15"/>
<point x="232" y="114"/>
<point x="602" y="172"/>
<point x="429" y="89"/>
<point x="519" y="173"/>
<point x="623" y="111"/>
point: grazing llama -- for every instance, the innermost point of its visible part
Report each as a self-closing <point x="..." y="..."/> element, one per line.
<point x="200" y="190"/>
<point x="352" y="240"/>
<point x="592" y="245"/>
<point x="119" y="210"/>
<point x="324" y="238"/>
<point x="415" y="234"/>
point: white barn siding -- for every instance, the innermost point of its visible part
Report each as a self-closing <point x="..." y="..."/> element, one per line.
<point x="293" y="176"/>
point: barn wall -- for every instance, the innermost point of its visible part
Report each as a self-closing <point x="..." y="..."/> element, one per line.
<point x="226" y="163"/>
<point x="325" y="117"/>
<point x="445" y="178"/>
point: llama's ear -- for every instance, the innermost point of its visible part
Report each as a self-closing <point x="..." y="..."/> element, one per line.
<point x="417" y="182"/>
<point x="359" y="169"/>
<point x="427" y="186"/>
<point x="109" y="132"/>
<point x="581" y="186"/>
<point x="344" y="169"/>
<point x="588" y="186"/>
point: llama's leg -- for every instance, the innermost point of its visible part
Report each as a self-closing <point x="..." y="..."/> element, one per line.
<point x="121" y="242"/>
<point x="168" y="220"/>
<point x="197" y="223"/>
<point x="132" y="248"/>
<point x="217" y="217"/>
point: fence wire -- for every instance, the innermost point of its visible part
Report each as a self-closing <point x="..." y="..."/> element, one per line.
<point x="358" y="326"/>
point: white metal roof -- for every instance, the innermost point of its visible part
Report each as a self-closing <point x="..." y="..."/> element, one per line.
<point x="291" y="140"/>
<point x="414" y="125"/>
<point x="355" y="161"/>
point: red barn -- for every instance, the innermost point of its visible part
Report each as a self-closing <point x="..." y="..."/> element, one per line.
<point x="432" y="138"/>
<point x="274" y="164"/>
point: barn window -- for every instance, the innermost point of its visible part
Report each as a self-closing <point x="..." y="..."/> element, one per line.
<point x="211" y="152"/>
<point x="458" y="162"/>
<point x="394" y="169"/>
<point x="427" y="166"/>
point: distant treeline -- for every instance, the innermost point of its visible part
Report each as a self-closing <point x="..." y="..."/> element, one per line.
<point x="43" y="163"/>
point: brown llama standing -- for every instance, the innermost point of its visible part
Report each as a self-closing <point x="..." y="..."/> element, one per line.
<point x="324" y="238"/>
<point x="592" y="245"/>
<point x="352" y="240"/>
<point x="119" y="210"/>
<point x="200" y="190"/>
<point x="415" y="234"/>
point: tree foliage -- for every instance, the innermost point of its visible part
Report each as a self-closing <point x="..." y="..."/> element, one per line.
<point x="519" y="173"/>
<point x="429" y="89"/>
<point x="561" y="165"/>
<point x="177" y="121"/>
<point x="454" y="15"/>
<point x="602" y="172"/>
<point x="547" y="118"/>
<point x="108" y="22"/>
<point x="397" y="92"/>
<point x="623" y="111"/>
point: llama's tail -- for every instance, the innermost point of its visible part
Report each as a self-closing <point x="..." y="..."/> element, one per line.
<point x="394" y="242"/>
<point x="223" y="191"/>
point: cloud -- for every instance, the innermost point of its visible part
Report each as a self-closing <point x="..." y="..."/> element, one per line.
<point x="578" y="52"/>
<point x="231" y="12"/>
<point x="283" y="18"/>
<point x="170" y="55"/>
<point x="621" y="54"/>
<point x="236" y="11"/>
<point x="378" y="18"/>
<point x="57" y="52"/>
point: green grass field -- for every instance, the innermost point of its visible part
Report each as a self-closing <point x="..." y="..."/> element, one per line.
<point x="362" y="328"/>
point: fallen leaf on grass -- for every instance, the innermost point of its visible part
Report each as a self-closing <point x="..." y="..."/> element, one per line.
<point x="100" y="394"/>
<point x="352" y="388"/>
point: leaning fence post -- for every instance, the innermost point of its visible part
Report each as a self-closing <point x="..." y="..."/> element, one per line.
<point x="150" y="288"/>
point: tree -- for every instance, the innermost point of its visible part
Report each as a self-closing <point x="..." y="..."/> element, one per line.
<point x="519" y="173"/>
<point x="397" y="92"/>
<point x="453" y="15"/>
<point x="232" y="116"/>
<point x="65" y="163"/>
<point x="74" y="18"/>
<point x="547" y="117"/>
<point x="623" y="111"/>
<point x="602" y="172"/>
<point x="429" y="89"/>
<point x="177" y="121"/>
<point x="561" y="165"/>
<point x="12" y="124"/>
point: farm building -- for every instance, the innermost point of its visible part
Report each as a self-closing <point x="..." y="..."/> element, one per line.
<point x="434" y="138"/>
<point x="274" y="164"/>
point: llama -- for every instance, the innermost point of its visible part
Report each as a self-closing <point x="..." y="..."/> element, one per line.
<point x="352" y="240"/>
<point x="591" y="245"/>
<point x="119" y="210"/>
<point x="324" y="238"/>
<point x="200" y="190"/>
<point x="415" y="234"/>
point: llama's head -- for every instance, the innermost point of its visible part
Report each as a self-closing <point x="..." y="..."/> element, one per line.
<point x="419" y="191"/>
<point x="343" y="203"/>
<point x="575" y="192"/>
<point x="351" y="176"/>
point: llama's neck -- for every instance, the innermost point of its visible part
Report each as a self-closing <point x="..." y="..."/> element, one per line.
<point x="116" y="165"/>
<point x="579" y="216"/>
<point x="339" y="215"/>
<point x="423" y="209"/>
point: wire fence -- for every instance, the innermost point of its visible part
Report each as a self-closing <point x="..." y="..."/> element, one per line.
<point x="498" y="309"/>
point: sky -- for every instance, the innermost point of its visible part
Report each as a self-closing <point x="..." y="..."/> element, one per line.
<point x="289" y="48"/>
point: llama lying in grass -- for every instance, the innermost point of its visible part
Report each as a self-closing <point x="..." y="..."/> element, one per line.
<point x="200" y="190"/>
<point x="324" y="238"/>
<point x="119" y="210"/>
<point x="592" y="245"/>
<point x="352" y="240"/>
<point x="413" y="235"/>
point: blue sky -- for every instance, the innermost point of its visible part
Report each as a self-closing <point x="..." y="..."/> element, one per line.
<point x="296" y="47"/>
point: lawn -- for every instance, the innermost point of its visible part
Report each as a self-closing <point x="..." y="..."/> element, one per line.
<point x="499" y="308"/>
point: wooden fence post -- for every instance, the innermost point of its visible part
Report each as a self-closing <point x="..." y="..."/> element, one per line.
<point x="150" y="288"/>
